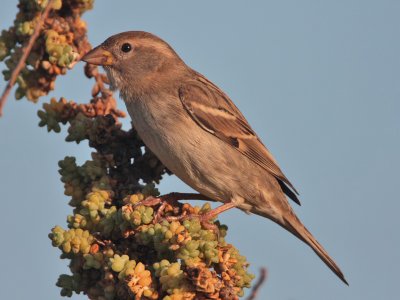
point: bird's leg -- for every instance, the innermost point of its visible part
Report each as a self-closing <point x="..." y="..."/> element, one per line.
<point x="216" y="211"/>
<point x="170" y="199"/>
<point x="205" y="218"/>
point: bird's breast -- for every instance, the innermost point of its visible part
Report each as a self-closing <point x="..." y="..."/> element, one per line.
<point x="163" y="126"/>
<point x="197" y="157"/>
<point x="181" y="145"/>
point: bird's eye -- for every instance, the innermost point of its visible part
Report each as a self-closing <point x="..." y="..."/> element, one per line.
<point x="126" y="47"/>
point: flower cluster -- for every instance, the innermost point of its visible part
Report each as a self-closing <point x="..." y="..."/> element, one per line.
<point x="134" y="256"/>
<point x="61" y="42"/>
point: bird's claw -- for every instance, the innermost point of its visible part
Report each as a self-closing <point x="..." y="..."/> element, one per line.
<point x="172" y="200"/>
<point x="163" y="201"/>
<point x="149" y="201"/>
<point x="204" y="219"/>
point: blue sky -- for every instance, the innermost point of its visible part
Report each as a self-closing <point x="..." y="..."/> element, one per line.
<point x="319" y="83"/>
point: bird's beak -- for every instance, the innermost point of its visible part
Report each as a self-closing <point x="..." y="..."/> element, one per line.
<point x="98" y="56"/>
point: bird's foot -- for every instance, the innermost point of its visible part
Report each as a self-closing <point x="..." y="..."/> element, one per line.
<point x="205" y="218"/>
<point x="169" y="202"/>
<point x="149" y="201"/>
<point x="165" y="202"/>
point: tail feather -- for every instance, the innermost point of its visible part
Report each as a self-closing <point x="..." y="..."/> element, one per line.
<point x="294" y="225"/>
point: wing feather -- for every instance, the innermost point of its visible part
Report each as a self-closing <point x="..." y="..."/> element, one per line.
<point x="213" y="111"/>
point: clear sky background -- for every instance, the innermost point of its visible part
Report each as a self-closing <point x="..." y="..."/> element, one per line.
<point x="317" y="80"/>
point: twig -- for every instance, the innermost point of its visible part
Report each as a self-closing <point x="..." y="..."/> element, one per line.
<point x="25" y="53"/>
<point x="259" y="283"/>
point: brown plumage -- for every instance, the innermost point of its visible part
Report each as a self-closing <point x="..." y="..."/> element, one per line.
<point x="198" y="133"/>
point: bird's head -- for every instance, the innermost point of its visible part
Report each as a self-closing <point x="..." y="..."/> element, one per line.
<point x="135" y="61"/>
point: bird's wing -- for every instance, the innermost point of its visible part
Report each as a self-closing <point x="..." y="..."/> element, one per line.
<point x="213" y="111"/>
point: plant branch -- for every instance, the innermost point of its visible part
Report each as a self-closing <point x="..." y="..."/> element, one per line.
<point x="25" y="53"/>
<point x="257" y="286"/>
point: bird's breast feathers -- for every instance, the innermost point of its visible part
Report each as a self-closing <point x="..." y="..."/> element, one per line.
<point x="196" y="157"/>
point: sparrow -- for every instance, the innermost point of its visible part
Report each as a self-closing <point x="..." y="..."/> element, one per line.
<point x="198" y="133"/>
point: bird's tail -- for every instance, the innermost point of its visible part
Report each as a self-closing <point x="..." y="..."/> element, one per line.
<point x="294" y="225"/>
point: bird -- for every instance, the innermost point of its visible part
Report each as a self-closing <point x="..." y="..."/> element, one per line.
<point x="198" y="133"/>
